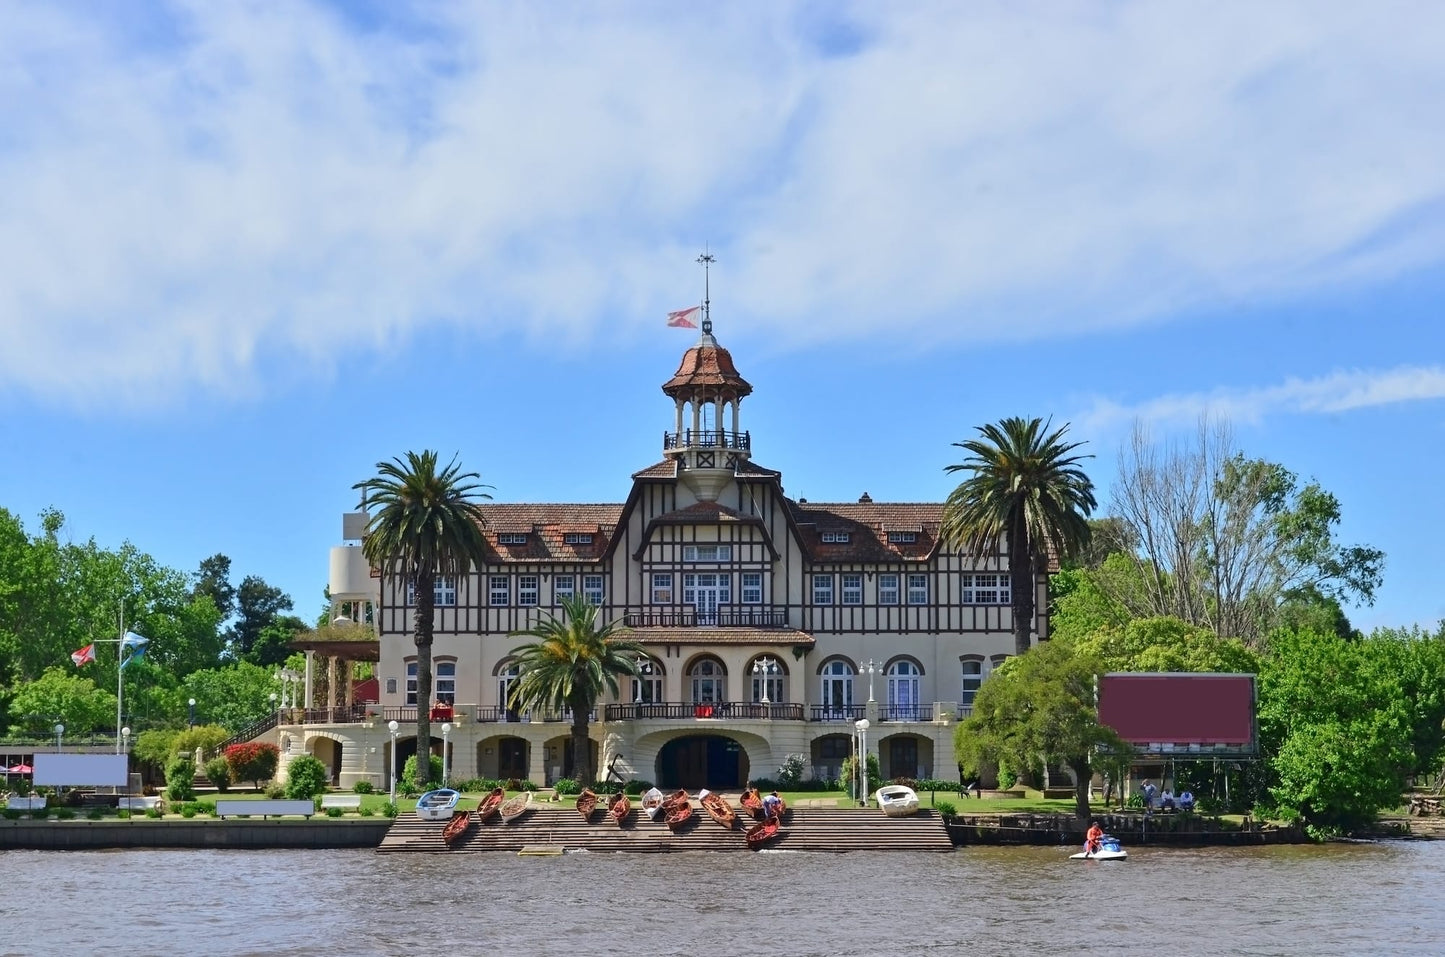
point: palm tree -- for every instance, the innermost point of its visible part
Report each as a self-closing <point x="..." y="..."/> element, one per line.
<point x="426" y="523"/>
<point x="1026" y="488"/>
<point x="567" y="668"/>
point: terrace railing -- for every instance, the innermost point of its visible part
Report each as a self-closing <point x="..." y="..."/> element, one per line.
<point x="850" y="713"/>
<point x="713" y="710"/>
<point x="760" y="617"/>
<point x="706" y="439"/>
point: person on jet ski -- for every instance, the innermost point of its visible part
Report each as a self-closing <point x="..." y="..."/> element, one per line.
<point x="1094" y="839"/>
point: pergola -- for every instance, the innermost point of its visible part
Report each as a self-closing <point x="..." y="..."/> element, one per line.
<point x="339" y="644"/>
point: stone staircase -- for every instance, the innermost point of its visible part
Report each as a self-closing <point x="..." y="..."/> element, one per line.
<point x="820" y="830"/>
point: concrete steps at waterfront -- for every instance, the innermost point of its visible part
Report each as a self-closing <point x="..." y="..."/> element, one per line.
<point x="820" y="830"/>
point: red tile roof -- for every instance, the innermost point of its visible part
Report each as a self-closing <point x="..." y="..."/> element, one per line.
<point x="546" y="527"/>
<point x="868" y="525"/>
<point x="708" y="368"/>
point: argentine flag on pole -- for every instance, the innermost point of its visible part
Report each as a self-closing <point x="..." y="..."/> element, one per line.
<point x="137" y="645"/>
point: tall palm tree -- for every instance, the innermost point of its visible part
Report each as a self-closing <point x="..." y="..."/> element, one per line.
<point x="424" y="523"/>
<point x="568" y="667"/>
<point x="1026" y="488"/>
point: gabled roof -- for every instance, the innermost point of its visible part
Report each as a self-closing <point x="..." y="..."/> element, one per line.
<point x="704" y="513"/>
<point x="546" y="527"/>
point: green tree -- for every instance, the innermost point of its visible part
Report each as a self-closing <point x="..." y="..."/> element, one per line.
<point x="427" y="523"/>
<point x="257" y="606"/>
<point x="306" y="777"/>
<point x="273" y="644"/>
<point x="213" y="579"/>
<point x="1039" y="707"/>
<point x="1026" y="489"/>
<point x="60" y="696"/>
<point x="1165" y="644"/>
<point x="234" y="696"/>
<point x="572" y="661"/>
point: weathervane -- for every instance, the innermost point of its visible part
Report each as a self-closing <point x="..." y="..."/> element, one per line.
<point x="707" y="259"/>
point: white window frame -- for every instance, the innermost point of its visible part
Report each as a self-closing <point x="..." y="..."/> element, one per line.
<point x="594" y="589"/>
<point x="411" y="681"/>
<point x="444" y="592"/>
<point x="822" y="589"/>
<point x="563" y="586"/>
<point x="852" y="589"/>
<point x="662" y="588"/>
<point x="528" y="590"/>
<point x="712" y="552"/>
<point x="505" y="678"/>
<point x="511" y="538"/>
<point x="577" y="538"/>
<point x="752" y="588"/>
<point x="902" y="538"/>
<point x="499" y="590"/>
<point x="917" y="589"/>
<point x="990" y="588"/>
<point x="446" y="683"/>
<point x="888" y="588"/>
<point x="836" y="538"/>
<point x="972" y="676"/>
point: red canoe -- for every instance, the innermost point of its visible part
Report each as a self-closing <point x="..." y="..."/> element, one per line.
<point x="760" y="834"/>
<point x="457" y="827"/>
<point x="619" y="807"/>
<point x="489" y="804"/>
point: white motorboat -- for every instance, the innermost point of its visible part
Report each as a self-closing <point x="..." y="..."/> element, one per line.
<point x="652" y="803"/>
<point x="437" y="805"/>
<point x="895" y="800"/>
<point x="1109" y="850"/>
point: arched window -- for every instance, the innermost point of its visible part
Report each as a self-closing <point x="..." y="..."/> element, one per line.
<point x="903" y="691"/>
<point x="709" y="682"/>
<point x="647" y="687"/>
<point x="972" y="678"/>
<point x="446" y="686"/>
<point x="837" y="695"/>
<point x="505" y="678"/>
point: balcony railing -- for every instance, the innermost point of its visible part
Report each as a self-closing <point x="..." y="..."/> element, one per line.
<point x="723" y="618"/>
<point x="686" y="710"/>
<point x="823" y="712"/>
<point x="905" y="712"/>
<point x="706" y="439"/>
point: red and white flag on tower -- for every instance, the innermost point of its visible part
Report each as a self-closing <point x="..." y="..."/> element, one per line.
<point x="684" y="318"/>
<point x="84" y="655"/>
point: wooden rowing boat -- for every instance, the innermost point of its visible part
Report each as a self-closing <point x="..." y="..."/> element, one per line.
<point x="619" y="807"/>
<point x="457" y="827"/>
<point x="759" y="834"/>
<point x="513" y="808"/>
<point x="718" y="808"/>
<point x="752" y="802"/>
<point x="652" y="803"/>
<point x="586" y="803"/>
<point x="678" y="810"/>
<point x="489" y="804"/>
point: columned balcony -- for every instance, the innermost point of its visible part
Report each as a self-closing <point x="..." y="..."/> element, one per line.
<point x="710" y="711"/>
<point x="707" y="439"/>
<point x="760" y="616"/>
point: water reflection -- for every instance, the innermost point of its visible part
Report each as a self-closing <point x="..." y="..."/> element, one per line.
<point x="1338" y="899"/>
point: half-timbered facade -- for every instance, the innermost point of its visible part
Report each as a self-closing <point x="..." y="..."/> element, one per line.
<point x="771" y="625"/>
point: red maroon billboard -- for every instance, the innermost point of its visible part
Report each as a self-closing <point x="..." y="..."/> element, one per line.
<point x="1150" y="709"/>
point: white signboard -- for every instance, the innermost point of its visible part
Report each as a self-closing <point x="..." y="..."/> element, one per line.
<point x="81" y="770"/>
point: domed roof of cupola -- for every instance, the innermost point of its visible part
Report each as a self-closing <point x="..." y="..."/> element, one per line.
<point x="707" y="368"/>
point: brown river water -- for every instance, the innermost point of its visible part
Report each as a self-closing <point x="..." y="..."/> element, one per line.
<point x="1352" y="898"/>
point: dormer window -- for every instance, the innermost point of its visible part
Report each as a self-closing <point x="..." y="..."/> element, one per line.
<point x="707" y="553"/>
<point x="836" y="538"/>
<point x="512" y="538"/>
<point x="902" y="538"/>
<point x="577" y="538"/>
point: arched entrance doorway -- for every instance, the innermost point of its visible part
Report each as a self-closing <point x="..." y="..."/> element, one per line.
<point x="702" y="761"/>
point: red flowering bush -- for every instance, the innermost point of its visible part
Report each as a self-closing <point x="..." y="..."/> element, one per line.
<point x="253" y="761"/>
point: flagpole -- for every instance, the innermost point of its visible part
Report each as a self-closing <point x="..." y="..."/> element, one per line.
<point x="119" y="675"/>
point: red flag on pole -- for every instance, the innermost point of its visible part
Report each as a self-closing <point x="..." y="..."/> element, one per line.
<point x="84" y="655"/>
<point x="683" y="318"/>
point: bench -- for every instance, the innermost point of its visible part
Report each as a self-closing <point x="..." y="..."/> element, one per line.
<point x="264" y="809"/>
<point x="139" y="803"/>
<point x="33" y="803"/>
<point x="347" y="802"/>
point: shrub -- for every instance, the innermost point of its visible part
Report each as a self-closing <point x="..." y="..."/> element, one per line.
<point x="848" y="771"/>
<point x="207" y="737"/>
<point x="1007" y="777"/>
<point x="362" y="787"/>
<point x="407" y="789"/>
<point x="12" y="814"/>
<point x="154" y="813"/>
<point x="434" y="770"/>
<point x="478" y="785"/>
<point x="936" y="784"/>
<point x="180" y="779"/>
<point x="565" y="786"/>
<point x="791" y="772"/>
<point x="206" y="807"/>
<point x="123" y="814"/>
<point x="95" y="814"/>
<point x="946" y="809"/>
<point x="306" y="777"/>
<point x="390" y="810"/>
<point x="366" y="811"/>
<point x="188" y="811"/>
<point x="218" y="772"/>
<point x="905" y="781"/>
<point x="253" y="761"/>
<point x="638" y="786"/>
<point x="64" y="814"/>
<point x="275" y="790"/>
<point x="333" y="812"/>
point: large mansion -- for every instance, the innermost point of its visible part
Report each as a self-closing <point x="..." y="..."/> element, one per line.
<point x="771" y="625"/>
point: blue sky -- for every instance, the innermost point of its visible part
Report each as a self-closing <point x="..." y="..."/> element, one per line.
<point x="252" y="249"/>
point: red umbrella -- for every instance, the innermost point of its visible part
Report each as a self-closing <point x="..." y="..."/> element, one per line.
<point x="21" y="768"/>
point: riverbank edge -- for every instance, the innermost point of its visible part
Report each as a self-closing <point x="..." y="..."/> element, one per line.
<point x="191" y="834"/>
<point x="1132" y="830"/>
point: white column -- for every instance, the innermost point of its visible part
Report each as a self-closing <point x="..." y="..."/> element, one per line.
<point x="310" y="657"/>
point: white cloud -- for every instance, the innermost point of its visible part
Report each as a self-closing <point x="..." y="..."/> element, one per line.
<point x="183" y="201"/>
<point x="1338" y="392"/>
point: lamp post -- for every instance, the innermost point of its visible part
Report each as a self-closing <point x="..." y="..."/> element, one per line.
<point x="862" y="727"/>
<point x="59" y="731"/>
<point x="446" y="733"/>
<point x="191" y="703"/>
<point x="125" y="736"/>
<point x="392" y="726"/>
<point x="766" y="667"/>
<point x="273" y="702"/>
<point x="871" y="668"/>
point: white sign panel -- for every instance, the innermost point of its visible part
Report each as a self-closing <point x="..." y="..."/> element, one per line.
<point x="81" y="770"/>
